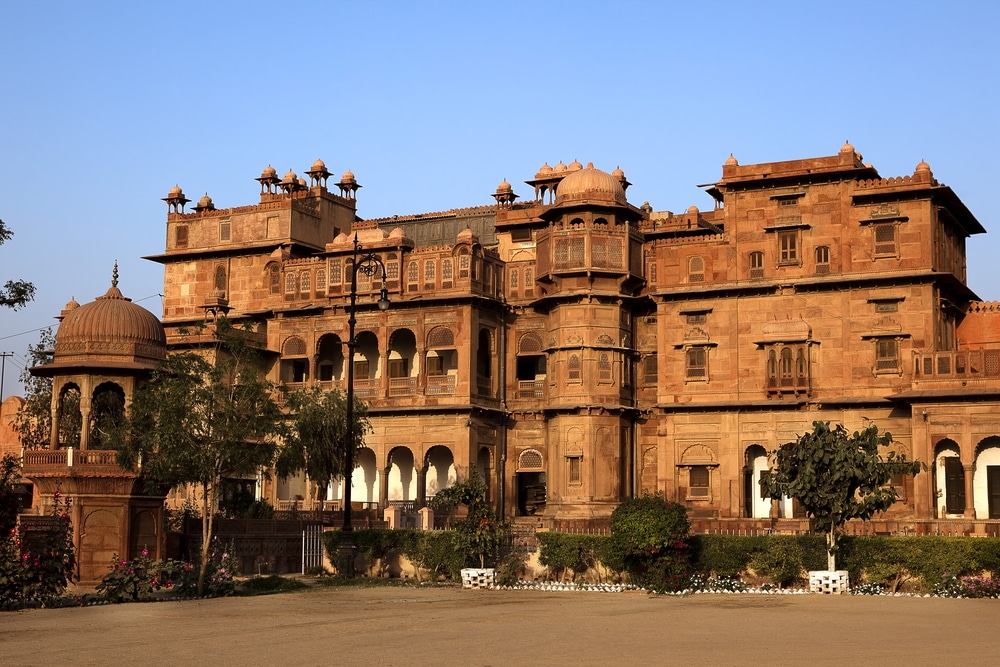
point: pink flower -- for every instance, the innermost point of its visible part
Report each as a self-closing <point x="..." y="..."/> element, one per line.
<point x="145" y="552"/>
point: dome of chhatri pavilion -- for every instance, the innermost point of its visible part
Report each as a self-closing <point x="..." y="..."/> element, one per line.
<point x="590" y="185"/>
<point x="110" y="331"/>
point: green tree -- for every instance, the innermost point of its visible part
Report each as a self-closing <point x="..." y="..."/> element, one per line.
<point x="317" y="437"/>
<point x="16" y="293"/>
<point x="837" y="476"/>
<point x="10" y="499"/>
<point x="480" y="535"/>
<point x="201" y="422"/>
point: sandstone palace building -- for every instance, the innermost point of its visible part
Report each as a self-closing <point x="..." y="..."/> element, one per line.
<point x="577" y="349"/>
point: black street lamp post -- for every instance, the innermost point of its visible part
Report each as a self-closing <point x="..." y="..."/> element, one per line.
<point x="370" y="265"/>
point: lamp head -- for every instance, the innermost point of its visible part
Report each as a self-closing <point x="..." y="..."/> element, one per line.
<point x="383" y="299"/>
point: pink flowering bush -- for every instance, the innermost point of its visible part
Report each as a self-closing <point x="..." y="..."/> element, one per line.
<point x="37" y="560"/>
<point x="136" y="579"/>
<point x="222" y="569"/>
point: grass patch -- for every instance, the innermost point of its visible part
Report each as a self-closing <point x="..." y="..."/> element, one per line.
<point x="269" y="585"/>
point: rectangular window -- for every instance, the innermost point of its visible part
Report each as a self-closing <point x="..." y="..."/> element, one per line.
<point x="649" y="370"/>
<point x="698" y="480"/>
<point x="697" y="364"/>
<point x="224" y="231"/>
<point x="520" y="235"/>
<point x="398" y="368"/>
<point x="696" y="318"/>
<point x="435" y="366"/>
<point x="362" y="369"/>
<point x="788" y="247"/>
<point x="575" y="469"/>
<point x="757" y="264"/>
<point x="886" y="306"/>
<point x="823" y="259"/>
<point x="885" y="238"/>
<point x="886" y="354"/>
<point x="181" y="236"/>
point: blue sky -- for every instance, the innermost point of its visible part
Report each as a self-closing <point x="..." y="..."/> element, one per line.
<point x="104" y="106"/>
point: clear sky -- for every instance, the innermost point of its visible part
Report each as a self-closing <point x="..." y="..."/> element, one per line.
<point x="104" y="106"/>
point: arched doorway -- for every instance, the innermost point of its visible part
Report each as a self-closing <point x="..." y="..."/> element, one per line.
<point x="755" y="467"/>
<point x="949" y="476"/>
<point x="440" y="469"/>
<point x="531" y="491"/>
<point x="986" y="479"/>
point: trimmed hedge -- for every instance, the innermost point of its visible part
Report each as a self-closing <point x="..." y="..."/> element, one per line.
<point x="784" y="559"/>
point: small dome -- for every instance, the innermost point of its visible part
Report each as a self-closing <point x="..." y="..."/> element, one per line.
<point x="923" y="167"/>
<point x="72" y="304"/>
<point x="590" y="185"/>
<point x="618" y="173"/>
<point x="847" y="148"/>
<point x="110" y="331"/>
<point x="576" y="166"/>
<point x="290" y="177"/>
<point x="560" y="167"/>
<point x="318" y="165"/>
<point x="348" y="177"/>
<point x="268" y="172"/>
<point x="205" y="202"/>
<point x="504" y="187"/>
<point x="545" y="169"/>
<point x="302" y="182"/>
<point x="175" y="192"/>
<point x="692" y="210"/>
<point x="731" y="161"/>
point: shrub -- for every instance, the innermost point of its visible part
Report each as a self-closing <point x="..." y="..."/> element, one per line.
<point x="36" y="565"/>
<point x="134" y="580"/>
<point x="561" y="551"/>
<point x="648" y="537"/>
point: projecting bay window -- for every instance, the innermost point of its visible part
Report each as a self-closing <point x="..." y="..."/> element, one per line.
<point x="886" y="355"/>
<point x="787" y="368"/>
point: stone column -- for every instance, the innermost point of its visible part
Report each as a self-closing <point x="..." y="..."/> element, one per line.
<point x="970" y="498"/>
<point x="384" y="487"/>
<point x="422" y="486"/>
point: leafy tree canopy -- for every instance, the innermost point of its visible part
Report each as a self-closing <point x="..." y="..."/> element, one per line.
<point x="317" y="437"/>
<point x="202" y="419"/>
<point x="837" y="476"/>
<point x="16" y="293"/>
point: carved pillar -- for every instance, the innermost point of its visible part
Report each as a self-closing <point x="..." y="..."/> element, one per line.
<point x="970" y="498"/>
<point x="422" y="486"/>
<point x="84" y="421"/>
<point x="54" y="435"/>
<point x="383" y="492"/>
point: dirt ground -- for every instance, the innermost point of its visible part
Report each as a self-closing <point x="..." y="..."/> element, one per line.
<point x="450" y="626"/>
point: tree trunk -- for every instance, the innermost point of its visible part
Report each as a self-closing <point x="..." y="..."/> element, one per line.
<point x="831" y="543"/>
<point x="207" y="504"/>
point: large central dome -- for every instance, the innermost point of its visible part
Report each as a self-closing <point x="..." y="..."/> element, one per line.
<point x="591" y="186"/>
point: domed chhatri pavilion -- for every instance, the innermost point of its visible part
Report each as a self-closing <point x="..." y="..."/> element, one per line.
<point x="577" y="349"/>
<point x="103" y="350"/>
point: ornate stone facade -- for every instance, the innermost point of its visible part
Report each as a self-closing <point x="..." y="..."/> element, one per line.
<point x="576" y="349"/>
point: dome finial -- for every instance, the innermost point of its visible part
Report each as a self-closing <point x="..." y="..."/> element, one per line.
<point x="114" y="275"/>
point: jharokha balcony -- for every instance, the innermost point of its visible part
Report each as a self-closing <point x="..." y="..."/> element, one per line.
<point x="964" y="368"/>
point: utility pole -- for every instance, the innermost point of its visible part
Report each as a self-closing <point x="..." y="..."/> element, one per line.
<point x="3" y="367"/>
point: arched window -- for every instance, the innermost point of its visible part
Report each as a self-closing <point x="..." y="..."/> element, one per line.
<point x="321" y="280"/>
<point x="772" y="369"/>
<point x="220" y="278"/>
<point x="823" y="259"/>
<point x="305" y="282"/>
<point x="574" y="371"/>
<point x="290" y="283"/>
<point x="696" y="269"/>
<point x="274" y="278"/>
<point x="604" y="367"/>
<point x="429" y="271"/>
<point x="445" y="269"/>
<point x="785" y="367"/>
